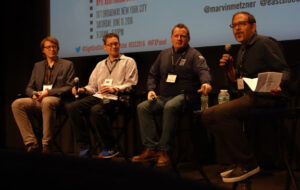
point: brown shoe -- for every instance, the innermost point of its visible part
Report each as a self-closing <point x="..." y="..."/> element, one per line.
<point x="32" y="147"/>
<point x="163" y="159"/>
<point x="147" y="155"/>
<point x="47" y="149"/>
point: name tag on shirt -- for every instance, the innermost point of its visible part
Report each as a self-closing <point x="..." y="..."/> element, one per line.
<point x="108" y="82"/>
<point x="171" y="78"/>
<point x="240" y="84"/>
<point x="49" y="87"/>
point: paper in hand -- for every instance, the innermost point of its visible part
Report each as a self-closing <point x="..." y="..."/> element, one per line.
<point x="265" y="82"/>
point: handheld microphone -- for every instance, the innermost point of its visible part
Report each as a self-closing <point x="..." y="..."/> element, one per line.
<point x="153" y="98"/>
<point x="227" y="48"/>
<point x="76" y="83"/>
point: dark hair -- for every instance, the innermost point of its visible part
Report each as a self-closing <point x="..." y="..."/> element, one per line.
<point x="51" y="39"/>
<point x="109" y="35"/>
<point x="180" y="25"/>
<point x="251" y="18"/>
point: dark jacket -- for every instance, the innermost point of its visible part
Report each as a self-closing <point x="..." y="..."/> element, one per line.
<point x="62" y="79"/>
<point x="188" y="64"/>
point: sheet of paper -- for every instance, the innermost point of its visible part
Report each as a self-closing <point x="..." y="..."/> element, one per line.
<point x="108" y="96"/>
<point x="265" y="82"/>
<point x="268" y="81"/>
<point x="251" y="82"/>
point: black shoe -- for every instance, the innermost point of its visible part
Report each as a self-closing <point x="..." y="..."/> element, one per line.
<point x="240" y="173"/>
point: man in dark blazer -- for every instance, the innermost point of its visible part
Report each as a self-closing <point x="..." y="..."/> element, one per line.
<point x="50" y="79"/>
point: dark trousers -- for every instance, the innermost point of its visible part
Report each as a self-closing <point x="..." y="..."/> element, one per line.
<point x="94" y="111"/>
<point x="225" y="121"/>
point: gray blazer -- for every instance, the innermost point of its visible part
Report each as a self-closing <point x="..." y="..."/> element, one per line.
<point x="62" y="80"/>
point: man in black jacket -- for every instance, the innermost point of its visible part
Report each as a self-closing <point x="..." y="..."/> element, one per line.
<point x="256" y="55"/>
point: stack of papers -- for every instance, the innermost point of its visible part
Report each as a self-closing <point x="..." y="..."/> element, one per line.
<point x="265" y="82"/>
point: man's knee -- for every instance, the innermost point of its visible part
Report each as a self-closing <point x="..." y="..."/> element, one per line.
<point x="15" y="104"/>
<point x="172" y="108"/>
<point x="141" y="107"/>
<point x="18" y="103"/>
<point x="72" y="108"/>
<point x="50" y="102"/>
<point x="97" y="110"/>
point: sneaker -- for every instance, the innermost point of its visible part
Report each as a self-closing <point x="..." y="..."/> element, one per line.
<point x="108" y="153"/>
<point x="227" y="170"/>
<point x="240" y="174"/>
<point x="32" y="147"/>
<point x="84" y="153"/>
<point x="147" y="155"/>
<point x="163" y="159"/>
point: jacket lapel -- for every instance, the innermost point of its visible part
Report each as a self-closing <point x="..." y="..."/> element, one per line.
<point x="56" y="70"/>
<point x="41" y="76"/>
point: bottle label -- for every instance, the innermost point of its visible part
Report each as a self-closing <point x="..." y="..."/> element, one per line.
<point x="223" y="97"/>
<point x="204" y="102"/>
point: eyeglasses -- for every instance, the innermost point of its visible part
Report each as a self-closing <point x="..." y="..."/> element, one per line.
<point x="50" y="47"/>
<point x="241" y="23"/>
<point x="113" y="44"/>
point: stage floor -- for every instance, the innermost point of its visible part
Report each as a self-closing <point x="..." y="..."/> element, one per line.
<point x="21" y="169"/>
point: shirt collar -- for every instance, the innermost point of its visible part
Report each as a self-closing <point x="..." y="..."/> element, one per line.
<point x="181" y="50"/>
<point x="115" y="60"/>
<point x="252" y="39"/>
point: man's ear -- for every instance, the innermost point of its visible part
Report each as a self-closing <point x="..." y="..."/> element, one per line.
<point x="253" y="27"/>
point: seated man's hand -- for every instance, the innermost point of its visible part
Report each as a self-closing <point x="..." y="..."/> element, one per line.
<point x="42" y="95"/>
<point x="151" y="96"/>
<point x="205" y="89"/>
<point x="104" y="89"/>
<point x="79" y="91"/>
<point x="226" y="59"/>
<point x="276" y="91"/>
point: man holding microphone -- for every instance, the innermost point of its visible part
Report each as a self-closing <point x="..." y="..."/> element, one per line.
<point x="115" y="74"/>
<point x="257" y="54"/>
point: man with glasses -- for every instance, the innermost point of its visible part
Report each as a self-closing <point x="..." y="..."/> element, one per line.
<point x="257" y="54"/>
<point x="117" y="73"/>
<point x="177" y="71"/>
<point x="50" y="79"/>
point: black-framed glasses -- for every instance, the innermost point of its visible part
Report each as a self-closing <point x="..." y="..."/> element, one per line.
<point x="50" y="47"/>
<point x="113" y="44"/>
<point x="241" y="23"/>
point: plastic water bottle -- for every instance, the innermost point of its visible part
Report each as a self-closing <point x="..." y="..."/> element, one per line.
<point x="223" y="96"/>
<point x="204" y="102"/>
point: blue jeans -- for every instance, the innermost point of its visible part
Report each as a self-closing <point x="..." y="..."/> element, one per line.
<point x="171" y="108"/>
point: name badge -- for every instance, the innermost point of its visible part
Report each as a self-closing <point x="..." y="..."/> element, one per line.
<point x="108" y="82"/>
<point x="171" y="78"/>
<point x="240" y="84"/>
<point x="182" y="62"/>
<point x="49" y="87"/>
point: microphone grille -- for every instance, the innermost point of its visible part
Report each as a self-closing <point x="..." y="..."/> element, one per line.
<point x="227" y="47"/>
<point x="76" y="79"/>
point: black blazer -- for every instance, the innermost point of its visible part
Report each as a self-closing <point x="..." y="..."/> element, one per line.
<point x="62" y="80"/>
